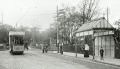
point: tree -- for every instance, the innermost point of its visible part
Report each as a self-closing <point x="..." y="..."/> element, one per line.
<point x="89" y="9"/>
<point x="70" y="19"/>
<point x="35" y="34"/>
<point x="4" y="33"/>
<point x="117" y="23"/>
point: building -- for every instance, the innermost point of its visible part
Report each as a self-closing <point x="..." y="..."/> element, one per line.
<point x="97" y="33"/>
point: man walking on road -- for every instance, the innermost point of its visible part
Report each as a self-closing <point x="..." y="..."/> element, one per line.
<point x="26" y="45"/>
<point x="101" y="53"/>
<point x="42" y="47"/>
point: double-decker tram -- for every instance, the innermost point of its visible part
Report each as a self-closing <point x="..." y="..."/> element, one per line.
<point x="16" y="42"/>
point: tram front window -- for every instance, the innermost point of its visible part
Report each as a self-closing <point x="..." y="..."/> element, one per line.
<point x="17" y="40"/>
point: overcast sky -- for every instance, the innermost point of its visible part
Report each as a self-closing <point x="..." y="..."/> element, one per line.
<point x="41" y="12"/>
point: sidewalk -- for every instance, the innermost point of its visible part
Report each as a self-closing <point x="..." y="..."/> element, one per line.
<point x="111" y="61"/>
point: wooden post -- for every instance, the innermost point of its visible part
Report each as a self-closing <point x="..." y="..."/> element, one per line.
<point x="57" y="40"/>
<point x="9" y="42"/>
<point x="76" y="50"/>
<point x="93" y="39"/>
<point x="98" y="44"/>
<point x="110" y="44"/>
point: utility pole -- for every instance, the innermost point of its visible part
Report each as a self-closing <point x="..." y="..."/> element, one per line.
<point x="93" y="41"/>
<point x="107" y="16"/>
<point x="76" y="49"/>
<point x="57" y="40"/>
<point x="2" y="16"/>
<point x="50" y="42"/>
<point x="16" y="25"/>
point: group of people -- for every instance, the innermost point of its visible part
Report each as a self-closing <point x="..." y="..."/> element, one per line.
<point x="44" y="48"/>
<point x="86" y="52"/>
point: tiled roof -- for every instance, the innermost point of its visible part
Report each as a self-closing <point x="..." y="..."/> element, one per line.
<point x="100" y="23"/>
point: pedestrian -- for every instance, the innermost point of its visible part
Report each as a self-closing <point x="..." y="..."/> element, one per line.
<point x="101" y="53"/>
<point x="46" y="48"/>
<point x="26" y="45"/>
<point x="86" y="53"/>
<point x="61" y="48"/>
<point x="42" y="46"/>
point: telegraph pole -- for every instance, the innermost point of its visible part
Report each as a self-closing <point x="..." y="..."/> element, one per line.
<point x="93" y="41"/>
<point x="57" y="40"/>
<point x="50" y="42"/>
<point x="2" y="16"/>
<point x="107" y="16"/>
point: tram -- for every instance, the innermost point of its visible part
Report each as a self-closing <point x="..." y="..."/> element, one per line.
<point x="16" y="42"/>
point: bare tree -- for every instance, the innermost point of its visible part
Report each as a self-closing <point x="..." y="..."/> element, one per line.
<point x="70" y="19"/>
<point x="89" y="9"/>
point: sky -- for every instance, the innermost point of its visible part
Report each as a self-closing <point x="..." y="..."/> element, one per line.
<point x="41" y="12"/>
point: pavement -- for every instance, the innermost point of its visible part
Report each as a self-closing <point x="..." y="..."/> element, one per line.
<point x="107" y="60"/>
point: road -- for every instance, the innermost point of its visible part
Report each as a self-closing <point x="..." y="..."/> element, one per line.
<point x="34" y="59"/>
